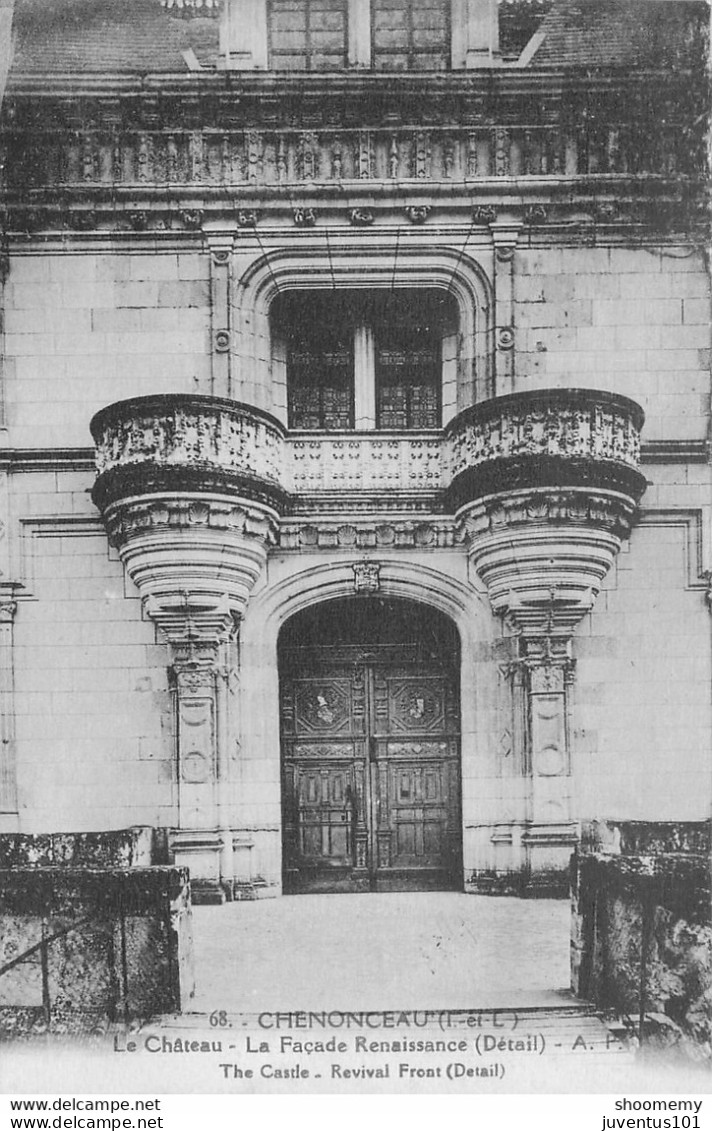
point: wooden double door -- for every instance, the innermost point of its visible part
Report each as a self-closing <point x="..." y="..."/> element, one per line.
<point x="371" y="771"/>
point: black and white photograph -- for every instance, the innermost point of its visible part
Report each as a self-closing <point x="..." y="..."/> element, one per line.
<point x="355" y="557"/>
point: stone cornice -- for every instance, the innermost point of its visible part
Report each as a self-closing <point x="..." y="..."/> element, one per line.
<point x="274" y="86"/>
<point x="556" y="210"/>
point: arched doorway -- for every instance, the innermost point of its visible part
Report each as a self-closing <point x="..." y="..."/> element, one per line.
<point x="370" y="734"/>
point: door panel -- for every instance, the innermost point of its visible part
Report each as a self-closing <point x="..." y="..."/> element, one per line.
<point x="371" y="780"/>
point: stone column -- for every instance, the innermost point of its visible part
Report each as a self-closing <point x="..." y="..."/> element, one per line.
<point x="8" y="780"/>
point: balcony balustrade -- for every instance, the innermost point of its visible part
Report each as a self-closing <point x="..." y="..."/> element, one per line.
<point x="135" y="159"/>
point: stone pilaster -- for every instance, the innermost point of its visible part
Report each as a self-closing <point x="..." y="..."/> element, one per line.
<point x="198" y="635"/>
<point x="8" y="779"/>
<point x="547" y="673"/>
<point x="504" y="237"/>
<point x="220" y="308"/>
<point x="475" y="34"/>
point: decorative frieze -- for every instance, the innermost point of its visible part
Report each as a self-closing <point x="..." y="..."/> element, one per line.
<point x="83" y="158"/>
<point x="547" y="437"/>
<point x="177" y="442"/>
<point x="357" y="462"/>
<point x="364" y="534"/>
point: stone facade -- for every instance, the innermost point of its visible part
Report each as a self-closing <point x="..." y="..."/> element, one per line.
<point x="558" y="515"/>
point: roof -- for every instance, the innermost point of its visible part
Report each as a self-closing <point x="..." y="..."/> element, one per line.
<point x="138" y="37"/>
<point x="641" y="33"/>
<point x="108" y="36"/>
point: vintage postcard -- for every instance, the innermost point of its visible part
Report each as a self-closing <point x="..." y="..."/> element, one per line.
<point x="355" y="491"/>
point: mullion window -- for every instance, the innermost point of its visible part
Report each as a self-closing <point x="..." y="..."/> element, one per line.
<point x="308" y="35"/>
<point x="410" y="34"/>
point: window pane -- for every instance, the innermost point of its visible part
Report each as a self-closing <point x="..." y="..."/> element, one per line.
<point x="317" y="329"/>
<point x="308" y="34"/>
<point x="411" y="33"/>
<point x="409" y="361"/>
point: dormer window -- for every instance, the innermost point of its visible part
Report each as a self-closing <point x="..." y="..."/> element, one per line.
<point x="334" y="35"/>
<point x="308" y="35"/>
<point x="410" y="35"/>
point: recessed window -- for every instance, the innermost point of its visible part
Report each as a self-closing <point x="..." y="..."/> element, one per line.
<point x="363" y="359"/>
<point x="308" y="35"/>
<point x="410" y="35"/>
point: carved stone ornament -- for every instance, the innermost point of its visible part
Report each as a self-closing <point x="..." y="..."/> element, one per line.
<point x="367" y="535"/>
<point x="535" y="214"/>
<point x="246" y="218"/>
<point x="192" y="218"/>
<point x="361" y="217"/>
<point x="188" y="487"/>
<point x="583" y="435"/>
<point x="543" y="552"/>
<point x="505" y="338"/>
<point x="222" y="341"/>
<point x="304" y="217"/>
<point x="505" y="253"/>
<point x="401" y="463"/>
<point x="81" y="220"/>
<point x="194" y="442"/>
<point x="367" y="577"/>
<point x="608" y="212"/>
<point x="7" y="611"/>
<point x="192" y="7"/>
<point x="195" y="680"/>
<point x="418" y="213"/>
<point x="484" y="214"/>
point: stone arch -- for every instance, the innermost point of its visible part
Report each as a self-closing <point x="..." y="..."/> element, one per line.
<point x="312" y="584"/>
<point x="389" y="265"/>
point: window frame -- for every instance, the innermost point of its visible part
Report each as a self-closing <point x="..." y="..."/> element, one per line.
<point x="412" y="53"/>
<point x="274" y="55"/>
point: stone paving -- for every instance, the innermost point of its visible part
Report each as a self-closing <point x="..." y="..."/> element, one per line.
<point x="430" y="950"/>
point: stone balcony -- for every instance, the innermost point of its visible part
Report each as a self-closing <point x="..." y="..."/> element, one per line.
<point x="190" y="492"/>
<point x="543" y="485"/>
<point x="545" y="438"/>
